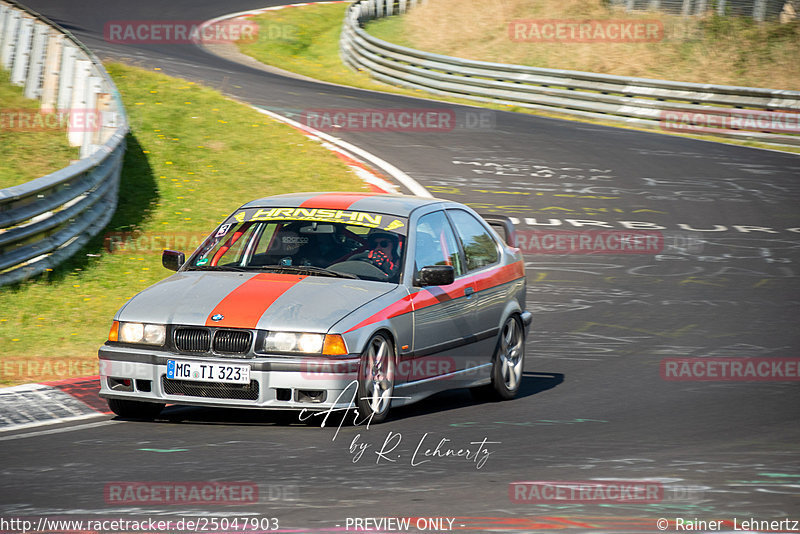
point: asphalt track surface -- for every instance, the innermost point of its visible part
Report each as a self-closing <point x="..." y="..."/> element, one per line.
<point x="594" y="402"/>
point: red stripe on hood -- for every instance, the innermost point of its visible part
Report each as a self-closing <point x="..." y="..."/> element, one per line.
<point x="245" y="305"/>
<point x="335" y="201"/>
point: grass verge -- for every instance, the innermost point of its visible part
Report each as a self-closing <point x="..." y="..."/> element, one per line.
<point x="27" y="152"/>
<point x="193" y="157"/>
<point x="305" y="40"/>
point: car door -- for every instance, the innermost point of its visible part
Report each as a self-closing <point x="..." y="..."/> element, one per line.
<point x="482" y="257"/>
<point x="442" y="314"/>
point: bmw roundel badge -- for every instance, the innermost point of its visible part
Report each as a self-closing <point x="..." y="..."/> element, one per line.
<point x="217" y="317"/>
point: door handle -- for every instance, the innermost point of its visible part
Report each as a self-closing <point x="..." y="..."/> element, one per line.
<point x="468" y="291"/>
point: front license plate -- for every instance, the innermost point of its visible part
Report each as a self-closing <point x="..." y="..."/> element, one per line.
<point x="208" y="372"/>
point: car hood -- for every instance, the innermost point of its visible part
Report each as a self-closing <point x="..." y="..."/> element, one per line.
<point x="268" y="301"/>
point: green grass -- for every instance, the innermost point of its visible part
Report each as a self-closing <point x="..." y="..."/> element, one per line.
<point x="25" y="155"/>
<point x="309" y="45"/>
<point x="193" y="157"/>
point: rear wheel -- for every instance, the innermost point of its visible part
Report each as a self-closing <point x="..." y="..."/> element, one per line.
<point x="135" y="409"/>
<point x="507" y="364"/>
<point x="376" y="379"/>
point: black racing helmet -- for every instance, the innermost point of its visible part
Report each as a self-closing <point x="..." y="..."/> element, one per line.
<point x="375" y="237"/>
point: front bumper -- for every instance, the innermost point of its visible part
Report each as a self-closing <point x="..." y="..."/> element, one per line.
<point x="281" y="383"/>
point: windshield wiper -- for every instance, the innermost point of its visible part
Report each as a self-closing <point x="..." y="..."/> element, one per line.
<point x="218" y="268"/>
<point x="307" y="268"/>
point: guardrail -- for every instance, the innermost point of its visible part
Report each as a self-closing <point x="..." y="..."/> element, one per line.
<point x="638" y="101"/>
<point x="47" y="220"/>
<point x="759" y="10"/>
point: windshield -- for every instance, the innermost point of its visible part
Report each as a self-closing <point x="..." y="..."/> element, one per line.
<point x="319" y="242"/>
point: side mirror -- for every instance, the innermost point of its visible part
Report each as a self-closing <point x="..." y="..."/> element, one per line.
<point x="172" y="259"/>
<point x="502" y="225"/>
<point x="435" y="275"/>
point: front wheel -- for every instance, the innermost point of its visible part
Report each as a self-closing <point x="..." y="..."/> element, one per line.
<point x="135" y="409"/>
<point x="376" y="379"/>
<point x="507" y="363"/>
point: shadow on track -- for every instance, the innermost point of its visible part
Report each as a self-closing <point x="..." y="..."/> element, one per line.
<point x="456" y="399"/>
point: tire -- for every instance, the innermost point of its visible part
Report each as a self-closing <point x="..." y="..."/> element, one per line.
<point x="135" y="409"/>
<point x="376" y="379"/>
<point x="507" y="364"/>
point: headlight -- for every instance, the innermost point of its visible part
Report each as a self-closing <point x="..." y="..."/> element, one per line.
<point x="294" y="342"/>
<point x="152" y="334"/>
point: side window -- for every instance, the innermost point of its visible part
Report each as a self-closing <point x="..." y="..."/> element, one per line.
<point x="436" y="244"/>
<point x="479" y="246"/>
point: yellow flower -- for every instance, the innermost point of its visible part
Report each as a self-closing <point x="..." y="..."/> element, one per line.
<point x="168" y="162"/>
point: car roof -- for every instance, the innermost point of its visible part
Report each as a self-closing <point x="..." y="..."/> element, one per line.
<point x="398" y="205"/>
